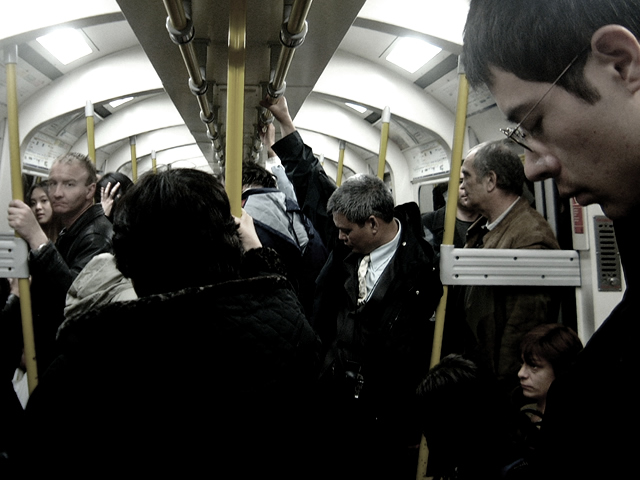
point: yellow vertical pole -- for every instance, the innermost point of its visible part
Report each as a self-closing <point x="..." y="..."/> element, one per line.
<point x="134" y="159"/>
<point x="452" y="200"/>
<point x="153" y="161"/>
<point x="449" y="229"/>
<point x="91" y="134"/>
<point x="384" y="138"/>
<point x="235" y="103"/>
<point x="17" y="192"/>
<point x="343" y="145"/>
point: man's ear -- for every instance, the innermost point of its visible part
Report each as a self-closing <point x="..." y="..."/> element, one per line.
<point x="372" y="222"/>
<point x="491" y="181"/>
<point x="91" y="190"/>
<point x="615" y="45"/>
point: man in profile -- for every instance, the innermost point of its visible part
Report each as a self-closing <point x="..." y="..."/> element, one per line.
<point x="499" y="316"/>
<point x="567" y="73"/>
<point x="54" y="266"/>
<point x="433" y="222"/>
<point x="374" y="300"/>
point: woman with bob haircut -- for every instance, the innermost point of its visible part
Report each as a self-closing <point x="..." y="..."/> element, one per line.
<point x="548" y="351"/>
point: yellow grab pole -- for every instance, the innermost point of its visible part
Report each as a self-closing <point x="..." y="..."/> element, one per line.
<point x="449" y="229"/>
<point x="134" y="159"/>
<point x="452" y="200"/>
<point x="384" y="138"/>
<point x="153" y="161"/>
<point x="343" y="145"/>
<point x="17" y="192"/>
<point x="235" y="103"/>
<point x="91" y="133"/>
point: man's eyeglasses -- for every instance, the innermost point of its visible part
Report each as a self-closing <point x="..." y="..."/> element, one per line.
<point x="515" y="134"/>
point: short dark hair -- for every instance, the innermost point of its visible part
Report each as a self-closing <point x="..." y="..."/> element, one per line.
<point x="361" y="196"/>
<point x="498" y="157"/>
<point x="83" y="160"/>
<point x="556" y="343"/>
<point x="515" y="36"/>
<point x="465" y="417"/>
<point x="113" y="178"/>
<point x="253" y="175"/>
<point x="175" y="230"/>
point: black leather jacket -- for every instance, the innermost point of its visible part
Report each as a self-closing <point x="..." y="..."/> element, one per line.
<point x="53" y="269"/>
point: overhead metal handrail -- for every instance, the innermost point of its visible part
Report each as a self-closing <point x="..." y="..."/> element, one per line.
<point x="182" y="33"/>
<point x="292" y="34"/>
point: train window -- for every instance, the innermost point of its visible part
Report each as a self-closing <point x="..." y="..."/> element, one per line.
<point x="432" y="196"/>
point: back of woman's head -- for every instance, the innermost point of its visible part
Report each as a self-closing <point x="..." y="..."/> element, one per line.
<point x="175" y="230"/>
<point x="556" y="343"/>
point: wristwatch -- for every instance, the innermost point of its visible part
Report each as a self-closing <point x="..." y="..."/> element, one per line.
<point x="33" y="252"/>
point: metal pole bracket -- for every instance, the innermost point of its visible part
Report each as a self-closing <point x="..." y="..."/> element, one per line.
<point x="292" y="40"/>
<point x="13" y="257"/>
<point x="183" y="36"/>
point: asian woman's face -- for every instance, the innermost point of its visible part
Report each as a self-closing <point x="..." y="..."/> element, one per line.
<point x="40" y="205"/>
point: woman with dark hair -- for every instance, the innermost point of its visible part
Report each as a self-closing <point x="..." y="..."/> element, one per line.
<point x="548" y="351"/>
<point x="109" y="189"/>
<point x="38" y="199"/>
<point x="211" y="369"/>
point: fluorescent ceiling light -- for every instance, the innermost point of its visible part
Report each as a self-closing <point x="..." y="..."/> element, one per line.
<point x="356" y="107"/>
<point x="120" y="101"/>
<point x="411" y="53"/>
<point x="66" y="45"/>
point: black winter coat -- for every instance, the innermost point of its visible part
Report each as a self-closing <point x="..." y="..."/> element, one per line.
<point x="210" y="380"/>
<point x="391" y="335"/>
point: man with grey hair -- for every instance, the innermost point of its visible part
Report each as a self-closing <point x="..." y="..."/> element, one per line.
<point x="53" y="266"/>
<point x="374" y="300"/>
<point x="493" y="179"/>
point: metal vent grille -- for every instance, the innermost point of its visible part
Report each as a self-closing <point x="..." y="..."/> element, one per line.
<point x="607" y="256"/>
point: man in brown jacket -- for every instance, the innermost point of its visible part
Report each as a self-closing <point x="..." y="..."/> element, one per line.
<point x="493" y="179"/>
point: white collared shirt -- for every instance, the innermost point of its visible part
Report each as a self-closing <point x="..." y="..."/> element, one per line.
<point x="380" y="258"/>
<point x="494" y="224"/>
